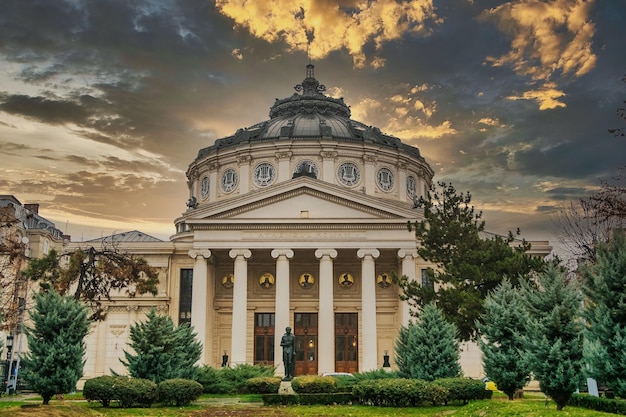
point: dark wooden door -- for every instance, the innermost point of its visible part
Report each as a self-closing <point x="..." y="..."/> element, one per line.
<point x="305" y="330"/>
<point x="264" y="338"/>
<point x="346" y="342"/>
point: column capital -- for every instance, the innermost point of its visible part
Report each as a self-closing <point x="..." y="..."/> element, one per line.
<point x="362" y="253"/>
<point x="403" y="253"/>
<point x="194" y="253"/>
<point x="320" y="253"/>
<point x="276" y="253"/>
<point x="246" y="253"/>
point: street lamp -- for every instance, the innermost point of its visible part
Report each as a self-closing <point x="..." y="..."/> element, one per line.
<point x="9" y="361"/>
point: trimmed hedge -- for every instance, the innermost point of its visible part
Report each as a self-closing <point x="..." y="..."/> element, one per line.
<point x="179" y="391"/>
<point x="126" y="391"/>
<point x="307" y="399"/>
<point x="262" y="385"/>
<point x="463" y="389"/>
<point x="399" y="392"/>
<point x="313" y="384"/>
<point x="598" y="403"/>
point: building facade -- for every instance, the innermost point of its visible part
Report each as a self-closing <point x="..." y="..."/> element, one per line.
<point x="299" y="221"/>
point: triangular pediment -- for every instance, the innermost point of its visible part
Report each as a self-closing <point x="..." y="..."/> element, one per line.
<point x="304" y="198"/>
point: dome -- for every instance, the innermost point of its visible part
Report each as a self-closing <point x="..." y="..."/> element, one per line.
<point x="307" y="114"/>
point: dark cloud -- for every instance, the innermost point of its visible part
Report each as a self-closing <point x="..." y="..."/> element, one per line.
<point x="147" y="83"/>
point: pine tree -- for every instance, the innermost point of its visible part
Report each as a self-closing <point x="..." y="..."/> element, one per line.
<point x="163" y="351"/>
<point x="55" y="361"/>
<point x="605" y="344"/>
<point x="554" y="334"/>
<point x="428" y="348"/>
<point x="501" y="340"/>
<point x="468" y="266"/>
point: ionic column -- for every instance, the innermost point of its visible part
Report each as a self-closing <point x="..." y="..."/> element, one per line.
<point x="281" y="308"/>
<point x="368" y="308"/>
<point x="199" y="298"/>
<point x="408" y="257"/>
<point x="240" y="306"/>
<point x="326" y="317"/>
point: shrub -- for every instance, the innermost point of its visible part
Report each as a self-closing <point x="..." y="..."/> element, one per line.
<point x="179" y="391"/>
<point x="398" y="392"/>
<point x="262" y="385"/>
<point x="463" y="389"/>
<point x="126" y="391"/>
<point x="211" y="383"/>
<point x="308" y="399"/>
<point x="100" y="389"/>
<point x="129" y="391"/>
<point x="313" y="384"/>
<point x="230" y="380"/>
<point x="344" y="383"/>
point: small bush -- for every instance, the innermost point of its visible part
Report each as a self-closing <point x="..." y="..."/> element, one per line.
<point x="313" y="384"/>
<point x="463" y="389"/>
<point x="230" y="380"/>
<point x="179" y="391"/>
<point x="129" y="391"/>
<point x="211" y="383"/>
<point x="262" y="385"/>
<point x="344" y="383"/>
<point x="100" y="389"/>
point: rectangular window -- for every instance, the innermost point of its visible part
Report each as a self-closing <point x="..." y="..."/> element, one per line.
<point x="186" y="288"/>
<point x="426" y="280"/>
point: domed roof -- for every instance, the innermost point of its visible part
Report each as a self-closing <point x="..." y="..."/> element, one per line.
<point x="308" y="114"/>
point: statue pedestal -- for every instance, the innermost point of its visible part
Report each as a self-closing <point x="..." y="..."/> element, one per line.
<point x="285" y="388"/>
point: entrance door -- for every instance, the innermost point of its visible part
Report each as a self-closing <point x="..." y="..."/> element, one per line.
<point x="346" y="342"/>
<point x="305" y="330"/>
<point x="264" y="338"/>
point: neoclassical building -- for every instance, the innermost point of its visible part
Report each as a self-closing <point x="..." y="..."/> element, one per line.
<point x="296" y="221"/>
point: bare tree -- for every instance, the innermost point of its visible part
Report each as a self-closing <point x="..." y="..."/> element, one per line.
<point x="13" y="285"/>
<point x="610" y="201"/>
<point x="621" y="113"/>
<point x="580" y="227"/>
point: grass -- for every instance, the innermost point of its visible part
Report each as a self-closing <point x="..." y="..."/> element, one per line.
<point x="531" y="406"/>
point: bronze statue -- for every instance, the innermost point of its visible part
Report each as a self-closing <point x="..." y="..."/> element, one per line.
<point x="288" y="343"/>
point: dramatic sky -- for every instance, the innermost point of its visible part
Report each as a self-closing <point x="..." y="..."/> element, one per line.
<point x="103" y="104"/>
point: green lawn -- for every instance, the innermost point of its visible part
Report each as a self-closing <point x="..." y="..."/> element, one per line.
<point x="211" y="406"/>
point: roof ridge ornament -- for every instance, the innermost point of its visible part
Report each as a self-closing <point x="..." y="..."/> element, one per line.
<point x="310" y="86"/>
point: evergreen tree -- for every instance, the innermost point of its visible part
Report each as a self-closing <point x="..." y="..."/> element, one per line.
<point x="554" y="334"/>
<point x="605" y="344"/>
<point x="501" y="340"/>
<point x="468" y="266"/>
<point x="55" y="360"/>
<point x="163" y="351"/>
<point x="428" y="349"/>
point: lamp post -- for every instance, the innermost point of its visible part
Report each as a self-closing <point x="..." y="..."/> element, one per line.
<point x="9" y="361"/>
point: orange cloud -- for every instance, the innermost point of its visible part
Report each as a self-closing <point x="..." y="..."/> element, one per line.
<point x="548" y="38"/>
<point x="547" y="96"/>
<point x="329" y="25"/>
